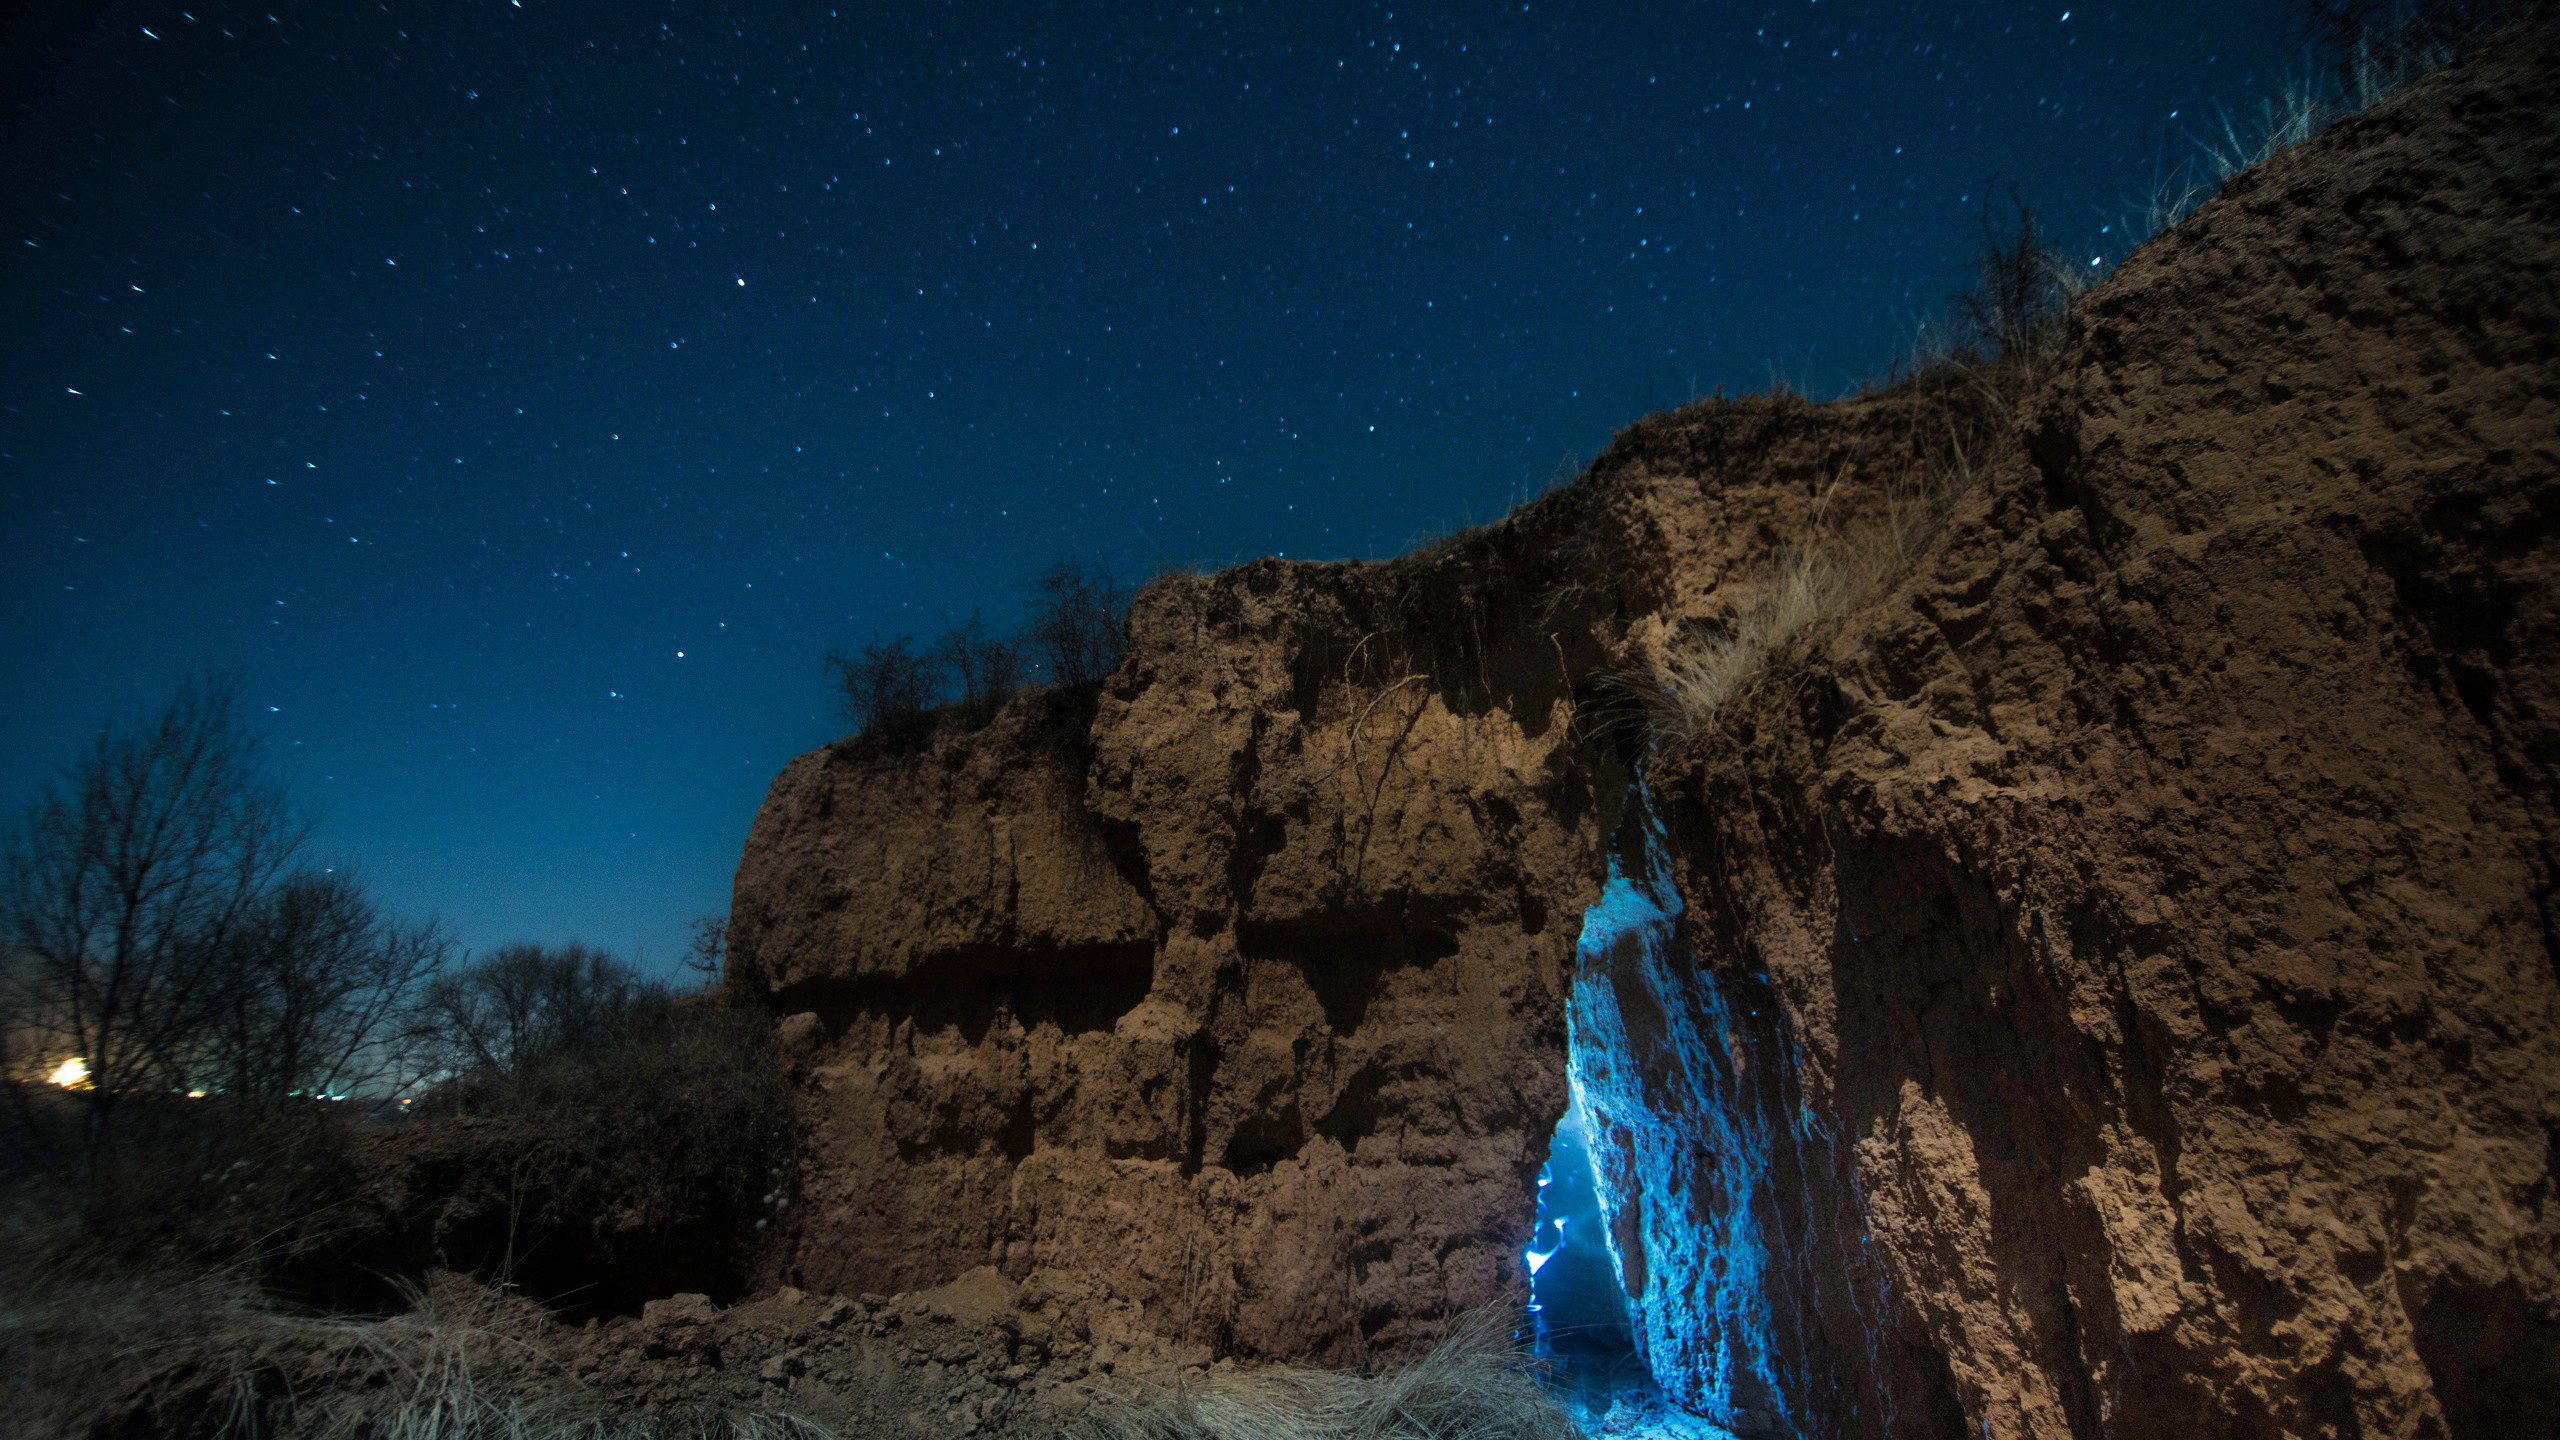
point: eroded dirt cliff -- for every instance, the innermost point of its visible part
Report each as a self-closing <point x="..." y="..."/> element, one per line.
<point x="2139" y="917"/>
<point x="1237" y="988"/>
<point x="2098" y="979"/>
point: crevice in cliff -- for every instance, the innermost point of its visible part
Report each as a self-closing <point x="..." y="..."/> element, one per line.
<point x="1577" y="1306"/>
<point x="1660" y="1059"/>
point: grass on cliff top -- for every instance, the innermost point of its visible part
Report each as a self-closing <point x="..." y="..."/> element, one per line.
<point x="2006" y="336"/>
<point x="1476" y="1385"/>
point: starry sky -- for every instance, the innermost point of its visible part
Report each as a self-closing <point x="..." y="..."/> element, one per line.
<point x="523" y="395"/>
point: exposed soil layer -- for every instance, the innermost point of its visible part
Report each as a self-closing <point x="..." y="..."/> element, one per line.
<point x="2115" y="956"/>
<point x="1241" y="999"/>
<point x="2148" y="899"/>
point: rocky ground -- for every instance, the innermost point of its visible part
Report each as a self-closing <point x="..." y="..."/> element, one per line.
<point x="979" y="1355"/>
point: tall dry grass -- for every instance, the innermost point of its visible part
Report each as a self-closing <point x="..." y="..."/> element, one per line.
<point x="2372" y="51"/>
<point x="1696" y="673"/>
<point x="90" y="1345"/>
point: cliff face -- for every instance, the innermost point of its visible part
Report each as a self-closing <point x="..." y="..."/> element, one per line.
<point x="2099" y="979"/>
<point x="2131" y="934"/>
<point x="1234" y="1001"/>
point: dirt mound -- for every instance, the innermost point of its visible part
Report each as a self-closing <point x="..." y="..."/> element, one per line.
<point x="1241" y="999"/>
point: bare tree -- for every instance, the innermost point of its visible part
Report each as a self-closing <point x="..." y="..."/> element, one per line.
<point x="1078" y="622"/>
<point x="137" y="870"/>
<point x="522" y="1004"/>
<point x="320" y="993"/>
<point x="887" y="685"/>
<point x="988" y="667"/>
<point x="162" y="928"/>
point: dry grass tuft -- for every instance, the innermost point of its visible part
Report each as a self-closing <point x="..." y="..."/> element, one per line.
<point x="2372" y="51"/>
<point x="1475" y="1386"/>
<point x="466" y="1363"/>
<point x="79" y="1328"/>
<point x="1688" y="676"/>
<point x="92" y="1346"/>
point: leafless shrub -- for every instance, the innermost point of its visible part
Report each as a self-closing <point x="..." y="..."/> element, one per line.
<point x="708" y="950"/>
<point x="522" y="1005"/>
<point x="468" y="1363"/>
<point x="253" y="1183"/>
<point x="676" y="1118"/>
<point x="1078" y="627"/>
<point x="97" y="1348"/>
<point x="1476" y="1385"/>
<point x="1077" y="631"/>
<point x="2006" y="330"/>
<point x="887" y="685"/>
<point x="987" y="667"/>
<point x="667" y="1119"/>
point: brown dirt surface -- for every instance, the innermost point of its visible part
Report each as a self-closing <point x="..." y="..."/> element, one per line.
<point x="980" y="1355"/>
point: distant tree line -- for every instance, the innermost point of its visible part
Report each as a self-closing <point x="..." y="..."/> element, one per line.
<point x="1076" y="632"/>
<point x="165" y="930"/>
<point x="169" y="931"/>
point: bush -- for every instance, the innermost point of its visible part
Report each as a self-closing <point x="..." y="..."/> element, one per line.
<point x="250" y="1183"/>
<point x="1078" y="631"/>
<point x="1079" y="626"/>
<point x="676" y="1116"/>
<point x="661" y="1123"/>
<point x="987" y="667"/>
<point x="887" y="686"/>
<point x="2022" y="285"/>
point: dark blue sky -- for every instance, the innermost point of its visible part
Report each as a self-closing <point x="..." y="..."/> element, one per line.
<point x="526" y="396"/>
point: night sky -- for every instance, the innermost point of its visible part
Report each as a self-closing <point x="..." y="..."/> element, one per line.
<point x="525" y="396"/>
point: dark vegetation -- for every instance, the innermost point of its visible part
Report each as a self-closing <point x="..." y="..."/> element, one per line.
<point x="183" y="990"/>
<point x="1075" y="633"/>
<point x="225" y="1075"/>
<point x="167" y="924"/>
<point x="650" y="1134"/>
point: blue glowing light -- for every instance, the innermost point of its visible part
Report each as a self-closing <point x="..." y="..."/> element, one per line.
<point x="1678" y="1151"/>
<point x="1575" y="1302"/>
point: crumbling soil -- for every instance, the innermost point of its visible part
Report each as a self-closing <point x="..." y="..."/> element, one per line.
<point x="977" y="1356"/>
<point x="2132" y="931"/>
